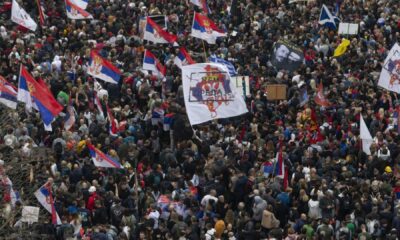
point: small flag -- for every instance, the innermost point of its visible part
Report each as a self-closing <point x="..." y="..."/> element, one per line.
<point x="320" y="98"/>
<point x="206" y="29"/>
<point x="101" y="159"/>
<point x="98" y="105"/>
<point x="281" y="170"/>
<point x="267" y="168"/>
<point x="23" y="94"/>
<point x="183" y="58"/>
<point x="342" y="48"/>
<point x="365" y="136"/>
<point x="75" y="12"/>
<point x="154" y="33"/>
<point x="41" y="14"/>
<point x="327" y="19"/>
<point x="103" y="69"/>
<point x="150" y="62"/>
<point x="69" y="119"/>
<point x="45" y="197"/>
<point x="202" y="4"/>
<point x="168" y="120"/>
<point x="114" y="128"/>
<point x="8" y="94"/>
<point x="21" y="17"/>
<point x="227" y="64"/>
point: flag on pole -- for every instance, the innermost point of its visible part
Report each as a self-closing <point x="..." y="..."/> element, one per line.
<point x="229" y="65"/>
<point x="113" y="128"/>
<point x="103" y="69"/>
<point x="101" y="159"/>
<point x="365" y="136"/>
<point x="21" y="17"/>
<point x="320" y="98"/>
<point x="267" y="168"/>
<point x="206" y="29"/>
<point x="150" y="62"/>
<point x="327" y="19"/>
<point x="155" y="33"/>
<point x="23" y="94"/>
<point x="75" y="12"/>
<point x="342" y="48"/>
<point x="183" y="58"/>
<point x="45" y="197"/>
<point x="202" y="4"/>
<point x="8" y="94"/>
<point x="281" y="170"/>
<point x="80" y="3"/>
<point x="42" y="17"/>
<point x="69" y="119"/>
<point x="390" y="75"/>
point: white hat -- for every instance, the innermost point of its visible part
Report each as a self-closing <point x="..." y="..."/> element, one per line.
<point x="92" y="189"/>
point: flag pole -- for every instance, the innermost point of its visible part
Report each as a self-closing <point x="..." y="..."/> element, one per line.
<point x="204" y="50"/>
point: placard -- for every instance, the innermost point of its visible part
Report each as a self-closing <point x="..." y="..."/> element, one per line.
<point x="348" y="28"/>
<point x="30" y="214"/>
<point x="276" y="92"/>
<point x="242" y="84"/>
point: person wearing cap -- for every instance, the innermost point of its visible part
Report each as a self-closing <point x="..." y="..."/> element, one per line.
<point x="92" y="198"/>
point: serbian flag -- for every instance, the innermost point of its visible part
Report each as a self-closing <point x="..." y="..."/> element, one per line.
<point x="101" y="159"/>
<point x="202" y="4"/>
<point x="42" y="17"/>
<point x="267" y="168"/>
<point x="69" y="119"/>
<point x="103" y="69"/>
<point x="320" y="98"/>
<point x="21" y="17"/>
<point x="168" y="120"/>
<point x="47" y="105"/>
<point x="150" y="62"/>
<point x="114" y="128"/>
<point x="45" y="197"/>
<point x="154" y="33"/>
<point x="23" y="94"/>
<point x="8" y="94"/>
<point x="183" y="58"/>
<point x="80" y="3"/>
<point x="75" y="12"/>
<point x="281" y="170"/>
<point x="206" y="29"/>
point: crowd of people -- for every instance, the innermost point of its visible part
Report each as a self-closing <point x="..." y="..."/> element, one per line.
<point x="207" y="181"/>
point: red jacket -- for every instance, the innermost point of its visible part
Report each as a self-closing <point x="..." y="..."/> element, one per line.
<point x="91" y="200"/>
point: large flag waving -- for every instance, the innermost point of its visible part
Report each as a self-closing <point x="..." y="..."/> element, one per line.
<point x="155" y="33"/>
<point x="80" y="3"/>
<point x="320" y="98"/>
<point x="150" y="62"/>
<point x="103" y="69"/>
<point x="327" y="19"/>
<point x="8" y="94"/>
<point x="101" y="159"/>
<point x="75" y="12"/>
<point x="206" y="29"/>
<point x="390" y="74"/>
<point x="210" y="93"/>
<point x="183" y="58"/>
<point x="202" y="4"/>
<point x="47" y="105"/>
<point x="229" y="65"/>
<point x="365" y="136"/>
<point x="21" y="17"/>
<point x="45" y="196"/>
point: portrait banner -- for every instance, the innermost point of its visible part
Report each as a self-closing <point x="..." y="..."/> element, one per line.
<point x="286" y="56"/>
<point x="210" y="93"/>
<point x="390" y="74"/>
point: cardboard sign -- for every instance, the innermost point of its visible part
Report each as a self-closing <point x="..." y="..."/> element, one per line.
<point x="276" y="92"/>
<point x="30" y="214"/>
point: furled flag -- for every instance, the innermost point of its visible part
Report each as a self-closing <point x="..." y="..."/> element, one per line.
<point x="202" y="4"/>
<point x="365" y="136"/>
<point x="320" y="98"/>
<point x="80" y="3"/>
<point x="327" y="19"/>
<point x="103" y="69"/>
<point x="342" y="48"/>
<point x="155" y="33"/>
<point x="47" y="105"/>
<point x="227" y="64"/>
<point x="281" y="169"/>
<point x="390" y="74"/>
<point x="45" y="197"/>
<point x="8" y="94"/>
<point x="42" y="16"/>
<point x="101" y="159"/>
<point x="206" y="29"/>
<point x="150" y="62"/>
<point x="75" y="12"/>
<point x="21" y="17"/>
<point x="69" y="119"/>
<point x="267" y="168"/>
<point x="210" y="93"/>
<point x="183" y="58"/>
<point x="114" y="127"/>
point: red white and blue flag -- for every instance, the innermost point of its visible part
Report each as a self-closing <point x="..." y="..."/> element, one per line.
<point x="69" y="119"/>
<point x="42" y="16"/>
<point x="75" y="12"/>
<point x="267" y="168"/>
<point x="150" y="62"/>
<point x="45" y="197"/>
<point x="183" y="58"/>
<point x="155" y="33"/>
<point x="101" y="159"/>
<point x="103" y="69"/>
<point x="80" y="3"/>
<point x="202" y="4"/>
<point x="8" y="94"/>
<point x="281" y="170"/>
<point x="206" y="29"/>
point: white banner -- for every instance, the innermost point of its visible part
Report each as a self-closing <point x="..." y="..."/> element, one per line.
<point x="390" y="74"/>
<point x="21" y="17"/>
<point x="210" y="93"/>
